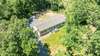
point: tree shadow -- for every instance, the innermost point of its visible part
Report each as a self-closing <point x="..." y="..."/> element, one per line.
<point x="34" y="52"/>
<point x="43" y="49"/>
<point x="98" y="2"/>
<point x="25" y="9"/>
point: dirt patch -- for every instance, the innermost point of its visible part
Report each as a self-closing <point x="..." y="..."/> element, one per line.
<point x="47" y="14"/>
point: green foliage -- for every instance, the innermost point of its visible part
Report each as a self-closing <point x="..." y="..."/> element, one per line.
<point x="24" y="8"/>
<point x="7" y="8"/>
<point x="98" y="2"/>
<point x="94" y="44"/>
<point x="79" y="40"/>
<point x="16" y="38"/>
<point x="60" y="53"/>
<point x="56" y="5"/>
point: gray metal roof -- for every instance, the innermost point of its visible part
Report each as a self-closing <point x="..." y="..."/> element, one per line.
<point x="49" y="22"/>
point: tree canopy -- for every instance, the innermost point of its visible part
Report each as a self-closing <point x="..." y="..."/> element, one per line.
<point x="82" y="26"/>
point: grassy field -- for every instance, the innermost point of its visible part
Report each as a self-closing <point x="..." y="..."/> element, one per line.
<point x="54" y="42"/>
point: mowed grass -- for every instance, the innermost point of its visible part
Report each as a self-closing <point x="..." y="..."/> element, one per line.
<point x="54" y="41"/>
<point x="55" y="38"/>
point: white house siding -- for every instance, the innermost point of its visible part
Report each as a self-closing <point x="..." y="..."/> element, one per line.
<point x="51" y="29"/>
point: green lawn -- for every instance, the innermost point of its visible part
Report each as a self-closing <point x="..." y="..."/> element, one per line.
<point x="54" y="41"/>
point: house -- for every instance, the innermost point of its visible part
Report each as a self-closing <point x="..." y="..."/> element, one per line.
<point x="51" y="24"/>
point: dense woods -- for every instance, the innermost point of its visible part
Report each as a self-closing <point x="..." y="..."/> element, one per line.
<point x="16" y="39"/>
<point x="82" y="38"/>
<point x="82" y="26"/>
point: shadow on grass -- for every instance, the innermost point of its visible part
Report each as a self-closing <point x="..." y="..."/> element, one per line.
<point x="43" y="49"/>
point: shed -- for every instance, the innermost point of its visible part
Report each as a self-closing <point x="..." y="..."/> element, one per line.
<point x="48" y="25"/>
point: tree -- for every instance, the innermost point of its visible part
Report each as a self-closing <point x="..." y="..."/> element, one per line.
<point x="17" y="39"/>
<point x="7" y="8"/>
